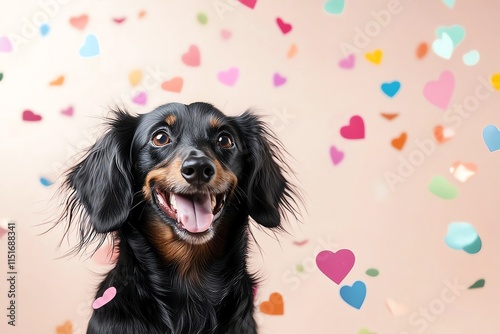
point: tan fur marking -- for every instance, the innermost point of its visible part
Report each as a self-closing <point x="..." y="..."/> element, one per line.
<point x="170" y="120"/>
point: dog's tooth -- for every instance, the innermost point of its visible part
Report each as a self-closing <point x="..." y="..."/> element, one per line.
<point x="214" y="200"/>
<point x="173" y="202"/>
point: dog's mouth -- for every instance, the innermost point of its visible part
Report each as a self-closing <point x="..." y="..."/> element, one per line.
<point x="194" y="213"/>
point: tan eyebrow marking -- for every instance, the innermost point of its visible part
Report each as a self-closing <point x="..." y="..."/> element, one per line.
<point x="170" y="120"/>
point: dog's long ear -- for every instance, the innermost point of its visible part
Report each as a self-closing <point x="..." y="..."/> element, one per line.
<point x="100" y="187"/>
<point x="267" y="190"/>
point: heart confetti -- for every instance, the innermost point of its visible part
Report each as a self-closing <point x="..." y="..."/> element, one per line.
<point x="58" y="81"/>
<point x="462" y="171"/>
<point x="135" y="77"/>
<point x="334" y="7"/>
<point x="391" y="88"/>
<point x="66" y="328"/>
<point x="399" y="142"/>
<point x="372" y="272"/>
<point x="443" y="47"/>
<point x="68" y="111"/>
<point x="456" y="33"/>
<point x="274" y="306"/>
<point x="225" y="34"/>
<point x="249" y="3"/>
<point x="491" y="137"/>
<point x="5" y="44"/>
<point x="439" y="92"/>
<point x="192" y="56"/>
<point x="45" y="182"/>
<point x="278" y="80"/>
<point x="440" y="187"/>
<point x="375" y="57"/>
<point x="30" y="116"/>
<point x="284" y="26"/>
<point x="463" y="236"/>
<point x="422" y="49"/>
<point x="141" y="98"/>
<point x="173" y="85"/>
<point x="478" y="284"/>
<point x="79" y="22"/>
<point x="347" y="63"/>
<point x="202" y="18"/>
<point x="107" y="296"/>
<point x="90" y="47"/>
<point x="336" y="155"/>
<point x="471" y="58"/>
<point x="44" y="29"/>
<point x="292" y="51"/>
<point x="389" y="116"/>
<point x="229" y="77"/>
<point x="354" y="295"/>
<point x="442" y="134"/>
<point x="355" y="129"/>
<point x="495" y="81"/>
<point x="119" y="20"/>
<point x="335" y="265"/>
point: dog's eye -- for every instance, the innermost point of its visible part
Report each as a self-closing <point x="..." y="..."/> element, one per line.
<point x="225" y="141"/>
<point x="160" y="138"/>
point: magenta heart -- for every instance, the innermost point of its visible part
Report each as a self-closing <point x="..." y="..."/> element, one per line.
<point x="285" y="27"/>
<point x="140" y="99"/>
<point x="337" y="265"/>
<point x="229" y="77"/>
<point x="355" y="129"/>
<point x="5" y="44"/>
<point x="348" y="62"/>
<point x="107" y="296"/>
<point x="439" y="92"/>
<point x="249" y="3"/>
<point x="68" y="111"/>
<point x="278" y="80"/>
<point x="336" y="155"/>
<point x="30" y="116"/>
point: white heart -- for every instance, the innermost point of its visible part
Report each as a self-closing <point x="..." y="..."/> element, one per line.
<point x="443" y="46"/>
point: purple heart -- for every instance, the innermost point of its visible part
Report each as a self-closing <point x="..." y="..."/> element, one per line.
<point x="278" y="80"/>
<point x="141" y="98"/>
<point x="348" y="62"/>
<point x="5" y="44"/>
<point x="336" y="155"/>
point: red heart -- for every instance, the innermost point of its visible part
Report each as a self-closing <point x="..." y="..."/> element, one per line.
<point x="30" y="116"/>
<point x="355" y="129"/>
<point x="249" y="3"/>
<point x="285" y="27"/>
<point x="192" y="57"/>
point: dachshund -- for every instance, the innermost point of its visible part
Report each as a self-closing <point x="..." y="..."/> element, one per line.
<point x="176" y="189"/>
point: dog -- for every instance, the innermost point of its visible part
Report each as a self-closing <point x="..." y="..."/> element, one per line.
<point x="175" y="189"/>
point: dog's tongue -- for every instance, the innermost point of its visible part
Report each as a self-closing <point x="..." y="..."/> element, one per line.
<point x="194" y="213"/>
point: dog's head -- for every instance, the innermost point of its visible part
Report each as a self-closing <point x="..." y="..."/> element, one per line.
<point x="189" y="164"/>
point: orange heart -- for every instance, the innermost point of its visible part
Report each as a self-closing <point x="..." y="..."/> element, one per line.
<point x="375" y="56"/>
<point x="442" y="134"/>
<point x="422" y="49"/>
<point x="399" y="142"/>
<point x="292" y="51"/>
<point x="274" y="306"/>
<point x="141" y="14"/>
<point x="66" y="328"/>
<point x="173" y="85"/>
<point x="57" y="82"/>
<point x="388" y="116"/>
<point x="79" y="22"/>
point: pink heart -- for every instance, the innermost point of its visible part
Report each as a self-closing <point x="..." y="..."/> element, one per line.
<point x="30" y="116"/>
<point x="225" y="34"/>
<point x="192" y="57"/>
<point x="278" y="80"/>
<point x="249" y="3"/>
<point x="68" y="111"/>
<point x="348" y="62"/>
<point x="140" y="99"/>
<point x="336" y="155"/>
<point x="107" y="296"/>
<point x="229" y="77"/>
<point x="355" y="129"/>
<point x="5" y="44"/>
<point x="337" y="265"/>
<point x="2" y="231"/>
<point x="285" y="27"/>
<point x="439" y="92"/>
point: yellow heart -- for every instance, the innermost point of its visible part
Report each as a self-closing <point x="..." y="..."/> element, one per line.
<point x="375" y="56"/>
<point x="495" y="81"/>
<point x="135" y="77"/>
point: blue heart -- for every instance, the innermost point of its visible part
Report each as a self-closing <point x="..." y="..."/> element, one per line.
<point x="45" y="182"/>
<point x="44" y="29"/>
<point x="91" y="47"/>
<point x="491" y="137"/>
<point x="391" y="88"/>
<point x="354" y="295"/>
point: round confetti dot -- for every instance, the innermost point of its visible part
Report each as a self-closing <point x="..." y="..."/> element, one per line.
<point x="372" y="272"/>
<point x="202" y="18"/>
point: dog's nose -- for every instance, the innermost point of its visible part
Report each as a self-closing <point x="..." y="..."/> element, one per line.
<point x="197" y="168"/>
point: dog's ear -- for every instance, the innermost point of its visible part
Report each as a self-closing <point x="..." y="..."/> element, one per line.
<point x="267" y="190"/>
<point x="101" y="186"/>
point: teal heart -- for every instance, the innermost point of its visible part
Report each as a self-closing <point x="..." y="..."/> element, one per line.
<point x="471" y="58"/>
<point x="91" y="47"/>
<point x="391" y="88"/>
<point x="449" y="3"/>
<point x="334" y="6"/>
<point x="478" y="284"/>
<point x="491" y="137"/>
<point x="456" y="33"/>
<point x="474" y="247"/>
<point x="354" y="295"/>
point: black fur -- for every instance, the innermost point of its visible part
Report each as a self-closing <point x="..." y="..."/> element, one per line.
<point x="107" y="196"/>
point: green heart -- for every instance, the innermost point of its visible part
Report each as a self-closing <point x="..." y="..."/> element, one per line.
<point x="334" y="6"/>
<point x="1" y="76"/>
<point x="372" y="272"/>
<point x="456" y="33"/>
<point x="440" y="187"/>
<point x="478" y="284"/>
<point x="202" y="18"/>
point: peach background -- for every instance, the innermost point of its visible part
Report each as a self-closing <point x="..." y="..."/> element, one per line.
<point x="400" y="232"/>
